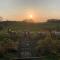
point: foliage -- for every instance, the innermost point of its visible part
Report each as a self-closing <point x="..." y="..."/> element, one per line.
<point x="46" y="45"/>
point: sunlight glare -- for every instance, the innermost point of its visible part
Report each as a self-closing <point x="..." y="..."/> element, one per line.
<point x="31" y="16"/>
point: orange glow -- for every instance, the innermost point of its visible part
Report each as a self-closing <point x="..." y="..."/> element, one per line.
<point x="31" y="16"/>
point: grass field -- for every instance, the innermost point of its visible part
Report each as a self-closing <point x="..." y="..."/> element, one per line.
<point x="7" y="39"/>
<point x="23" y="26"/>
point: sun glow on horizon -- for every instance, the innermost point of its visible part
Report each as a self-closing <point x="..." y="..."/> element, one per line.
<point x="31" y="16"/>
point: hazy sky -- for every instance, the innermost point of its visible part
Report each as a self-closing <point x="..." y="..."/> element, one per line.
<point x="22" y="9"/>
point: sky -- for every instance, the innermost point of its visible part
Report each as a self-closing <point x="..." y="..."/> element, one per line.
<point x="37" y="10"/>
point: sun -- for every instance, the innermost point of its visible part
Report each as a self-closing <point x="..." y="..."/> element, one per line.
<point x="31" y="16"/>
